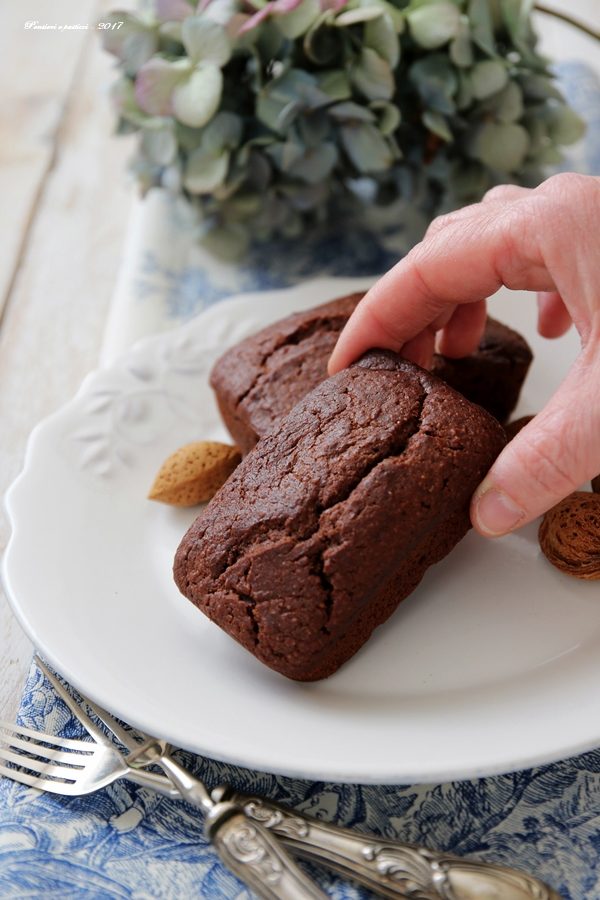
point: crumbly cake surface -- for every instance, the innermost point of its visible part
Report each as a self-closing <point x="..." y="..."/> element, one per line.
<point x="260" y="379"/>
<point x="335" y="516"/>
<point x="493" y="375"/>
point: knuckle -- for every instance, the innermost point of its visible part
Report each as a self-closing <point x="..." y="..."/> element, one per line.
<point x="439" y="223"/>
<point x="571" y="194"/>
<point x="499" y="192"/>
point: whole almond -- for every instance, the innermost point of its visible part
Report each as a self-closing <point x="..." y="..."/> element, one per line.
<point x="514" y="428"/>
<point x="596" y="484"/>
<point x="194" y="473"/>
<point x="570" y="535"/>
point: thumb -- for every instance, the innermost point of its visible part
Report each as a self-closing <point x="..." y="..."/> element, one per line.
<point x="549" y="458"/>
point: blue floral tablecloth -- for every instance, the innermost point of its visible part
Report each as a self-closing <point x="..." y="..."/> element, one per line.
<point x="125" y="841"/>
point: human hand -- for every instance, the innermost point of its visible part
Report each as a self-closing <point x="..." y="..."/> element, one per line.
<point x="545" y="240"/>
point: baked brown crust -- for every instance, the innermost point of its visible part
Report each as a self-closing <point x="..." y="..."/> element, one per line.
<point x="335" y="515"/>
<point x="260" y="379"/>
<point x="493" y="375"/>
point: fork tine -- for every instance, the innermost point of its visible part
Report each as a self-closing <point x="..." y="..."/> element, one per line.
<point x="125" y="737"/>
<point x="52" y="753"/>
<point x="51" y="767"/>
<point x="42" y="784"/>
<point x="77" y="711"/>
<point x="22" y="731"/>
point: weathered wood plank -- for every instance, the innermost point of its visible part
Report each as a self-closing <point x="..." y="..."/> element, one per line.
<point x="55" y="316"/>
<point x="36" y="74"/>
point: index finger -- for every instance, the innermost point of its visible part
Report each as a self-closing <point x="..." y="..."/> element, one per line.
<point x="464" y="262"/>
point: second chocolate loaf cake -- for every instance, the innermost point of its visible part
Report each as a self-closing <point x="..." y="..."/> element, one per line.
<point x="261" y="378"/>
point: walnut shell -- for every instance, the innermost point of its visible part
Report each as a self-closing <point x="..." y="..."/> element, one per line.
<point x="194" y="473"/>
<point x="570" y="535"/>
<point x="513" y="428"/>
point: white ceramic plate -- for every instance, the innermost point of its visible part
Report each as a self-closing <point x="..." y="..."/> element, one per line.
<point x="492" y="664"/>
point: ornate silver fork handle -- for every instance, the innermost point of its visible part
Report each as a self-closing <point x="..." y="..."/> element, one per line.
<point x="389" y="868"/>
<point x="251" y="850"/>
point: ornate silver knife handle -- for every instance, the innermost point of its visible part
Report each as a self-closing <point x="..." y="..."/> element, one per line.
<point x="389" y="868"/>
<point x="255" y="855"/>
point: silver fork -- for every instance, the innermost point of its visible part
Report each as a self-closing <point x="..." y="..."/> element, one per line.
<point x="388" y="868"/>
<point x="74" y="767"/>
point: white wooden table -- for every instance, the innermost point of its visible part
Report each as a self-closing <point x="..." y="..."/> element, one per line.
<point x="65" y="203"/>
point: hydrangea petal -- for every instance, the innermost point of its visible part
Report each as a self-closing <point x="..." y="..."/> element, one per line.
<point x="205" y="41"/>
<point x="298" y="21"/>
<point x="381" y="36"/>
<point x="172" y="10"/>
<point x="196" y="100"/>
<point x="434" y="24"/>
<point x="488" y="77"/>
<point x="204" y="172"/>
<point x="373" y="76"/>
<point x="365" y="146"/>
<point x="155" y="83"/>
<point x="133" y="43"/>
<point x="159" y="145"/>
<point x="502" y="147"/>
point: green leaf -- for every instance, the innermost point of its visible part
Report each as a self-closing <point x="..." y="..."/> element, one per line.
<point x="482" y="28"/>
<point x="388" y="116"/>
<point x="359" y="14"/>
<point x="316" y="164"/>
<point x="461" y="48"/>
<point x="510" y="103"/>
<point x="564" y="125"/>
<point x="314" y="128"/>
<point x="516" y="16"/>
<point x="321" y="43"/>
<point x="351" y="112"/>
<point x="155" y="83"/>
<point x="299" y="20"/>
<point x="396" y="15"/>
<point x="204" y="172"/>
<point x="268" y="110"/>
<point x="223" y="132"/>
<point x="373" y="76"/>
<point x="133" y="43"/>
<point x="159" y="145"/>
<point x="366" y="147"/>
<point x="434" y="24"/>
<point x="502" y="147"/>
<point x="437" y="124"/>
<point x="196" y="100"/>
<point x="205" y="41"/>
<point x="539" y="87"/>
<point x="464" y="94"/>
<point x="335" y="84"/>
<point x="380" y="35"/>
<point x="228" y="241"/>
<point x="124" y="101"/>
<point x="487" y="78"/>
<point x="436" y="81"/>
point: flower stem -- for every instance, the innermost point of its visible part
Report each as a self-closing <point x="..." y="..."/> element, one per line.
<point x="576" y="23"/>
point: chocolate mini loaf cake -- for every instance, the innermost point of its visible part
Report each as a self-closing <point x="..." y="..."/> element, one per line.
<point x="493" y="375"/>
<point x="334" y="517"/>
<point x="260" y="379"/>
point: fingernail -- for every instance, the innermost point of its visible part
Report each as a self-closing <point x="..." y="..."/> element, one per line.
<point x="496" y="513"/>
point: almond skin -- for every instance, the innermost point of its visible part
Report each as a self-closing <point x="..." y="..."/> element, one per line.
<point x="194" y="473"/>
<point x="570" y="535"/>
<point x="514" y="428"/>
